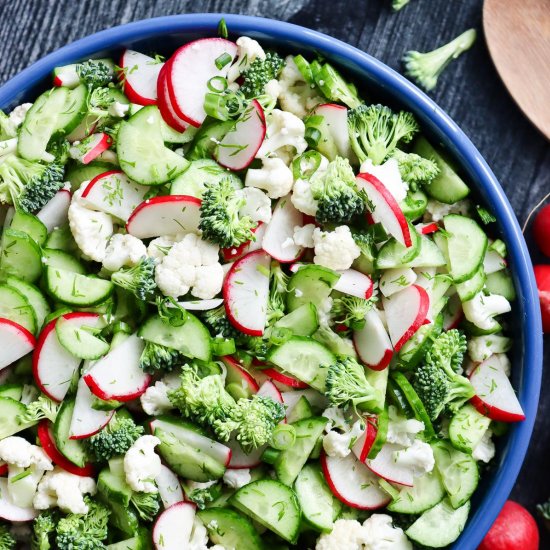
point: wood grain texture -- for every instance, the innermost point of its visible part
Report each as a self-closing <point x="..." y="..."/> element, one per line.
<point x="518" y="37"/>
<point x="470" y="90"/>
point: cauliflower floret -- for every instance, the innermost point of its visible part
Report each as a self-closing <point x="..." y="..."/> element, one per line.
<point x="159" y="247"/>
<point x="485" y="449"/>
<point x="142" y="465"/>
<point x="155" y="399"/>
<point x="274" y="176"/>
<point x="123" y="251"/>
<point x="336" y="418"/>
<point x="91" y="230"/>
<point x="436" y="211"/>
<point x="419" y="457"/>
<point x="190" y="262"/>
<point x="303" y="236"/>
<point x="482" y="347"/>
<point x="248" y="50"/>
<point x="339" y="444"/>
<point x="346" y="534"/>
<point x="389" y="175"/>
<point x="401" y="430"/>
<point x="237" y="478"/>
<point x="302" y="196"/>
<point x="273" y="89"/>
<point x="199" y="536"/>
<point x="258" y="205"/>
<point x="17" y="116"/>
<point x="64" y="490"/>
<point x="481" y="309"/>
<point x="284" y="136"/>
<point x="335" y="249"/>
<point x="380" y="534"/>
<point x="118" y="110"/>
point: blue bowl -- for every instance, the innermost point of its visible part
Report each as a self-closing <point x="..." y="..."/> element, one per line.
<point x="166" y="33"/>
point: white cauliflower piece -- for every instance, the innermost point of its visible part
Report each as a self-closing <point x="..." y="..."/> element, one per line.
<point x="123" y="251"/>
<point x="64" y="490"/>
<point x="335" y="249"/>
<point x="275" y="177"/>
<point x="91" y="230"/>
<point x="339" y="444"/>
<point x="248" y="50"/>
<point x="208" y="282"/>
<point x="257" y="204"/>
<point x="118" y="110"/>
<point x="419" y="457"/>
<point x="17" y="116"/>
<point x="273" y="89"/>
<point x="142" y="465"/>
<point x="302" y="196"/>
<point x="380" y="534"/>
<point x="389" y="175"/>
<point x="436" y="211"/>
<point x="336" y="418"/>
<point x="303" y="236"/>
<point x="155" y="399"/>
<point x="346" y="534"/>
<point x="199" y="536"/>
<point x="481" y="309"/>
<point x="482" y="347"/>
<point x="237" y="478"/>
<point x="401" y="430"/>
<point x="485" y="449"/>
<point x="159" y="247"/>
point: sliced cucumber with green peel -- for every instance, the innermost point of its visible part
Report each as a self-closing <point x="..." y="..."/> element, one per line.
<point x="13" y="391"/>
<point x="300" y="411"/>
<point x="394" y="254"/>
<point x="71" y="449"/>
<point x="33" y="295"/>
<point x="60" y="259"/>
<point x="75" y="289"/>
<point x="468" y="289"/>
<point x="428" y="490"/>
<point x="310" y="284"/>
<point x="414" y="350"/>
<point x="207" y="137"/>
<point x="230" y="529"/>
<point x="61" y="238"/>
<point x="467" y="428"/>
<point x="501" y="283"/>
<point x="10" y="411"/>
<point x="142" y="541"/>
<point x="15" y="307"/>
<point x="79" y="341"/>
<point x="77" y="174"/>
<point x="20" y="257"/>
<point x="429" y="255"/>
<point x="76" y="106"/>
<point x="303" y="321"/>
<point x="414" y="204"/>
<point x="31" y="225"/>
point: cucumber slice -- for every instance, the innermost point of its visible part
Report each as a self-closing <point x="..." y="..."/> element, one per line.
<point x="10" y="411"/>
<point x="439" y="526"/>
<point x="466" y="244"/>
<point x="429" y="256"/>
<point x="77" y="174"/>
<point x="76" y="106"/>
<point x="60" y="259"/>
<point x="230" y="529"/>
<point x="300" y="411"/>
<point x="71" y="449"/>
<point x="13" y="391"/>
<point x="447" y="186"/>
<point x="15" y="307"/>
<point x="192" y="339"/>
<point x="474" y="330"/>
<point x="381" y="434"/>
<point x="501" y="283"/>
<point x="414" y="205"/>
<point x="427" y="491"/>
<point x="414" y="350"/>
<point x="21" y="256"/>
<point x="122" y="517"/>
<point x="141" y="150"/>
<point x="209" y="134"/>
<point x="142" y="541"/>
<point x="303" y="321"/>
<point x="468" y="289"/>
<point x="319" y="506"/>
<point x="61" y="238"/>
<point x="31" y="225"/>
<point x="467" y="428"/>
<point x="78" y="341"/>
<point x="290" y="462"/>
<point x="394" y="254"/>
<point x="319" y="136"/>
<point x="112" y="485"/>
<point x="458" y="470"/>
<point x="310" y="284"/>
<point x="35" y="298"/>
<point x="305" y="359"/>
<point x="273" y="505"/>
<point x="75" y="289"/>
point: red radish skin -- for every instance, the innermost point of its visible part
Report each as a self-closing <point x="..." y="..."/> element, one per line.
<point x="3" y="469"/>
<point x="541" y="230"/>
<point x="15" y="342"/>
<point x="165" y="106"/>
<point x="514" y="529"/>
<point x="354" y="283"/>
<point x="428" y="228"/>
<point x="237" y="252"/>
<point x="285" y="379"/>
<point x="364" y="444"/>
<point x="48" y="444"/>
<point x="542" y="276"/>
<point x="139" y="83"/>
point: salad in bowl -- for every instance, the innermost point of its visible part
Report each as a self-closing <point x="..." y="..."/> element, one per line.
<point x="242" y="306"/>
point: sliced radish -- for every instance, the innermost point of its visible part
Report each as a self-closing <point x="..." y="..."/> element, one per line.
<point x="9" y="511"/>
<point x="165" y="104"/>
<point x="237" y="252"/>
<point x="336" y="117"/>
<point x="15" y="342"/>
<point x="190" y="70"/>
<point x="53" y="365"/>
<point x="91" y="147"/>
<point x="240" y="460"/>
<point x="452" y="314"/>
<point x="48" y="444"/>
<point x="246" y="293"/>
<point x="114" y="193"/>
<point x="495" y="396"/>
<point x="139" y="76"/>
<point x="493" y="262"/>
<point x="168" y="215"/>
<point x="353" y="483"/>
<point x="173" y="528"/>
<point x="239" y="146"/>
<point x="3" y="469"/>
<point x="268" y="389"/>
<point x="354" y="283"/>
<point x="278" y="242"/>
<point x="427" y="228"/>
<point x="372" y="342"/>
<point x="55" y="212"/>
<point x="201" y="305"/>
<point x="406" y="311"/>
<point x="284" y="379"/>
<point x="363" y="445"/>
<point x="236" y="374"/>
<point x="86" y="421"/>
<point x="386" y="210"/>
<point x="385" y="466"/>
<point x="169" y="487"/>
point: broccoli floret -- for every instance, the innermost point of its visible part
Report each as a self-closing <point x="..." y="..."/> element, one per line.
<point x="350" y="311"/>
<point x="414" y="169"/>
<point x="202" y="496"/>
<point x="337" y="194"/>
<point x="7" y="542"/>
<point x="84" y="531"/>
<point x="348" y="385"/>
<point x="253" y="420"/>
<point x="254" y="345"/>
<point x="94" y="73"/>
<point x="277" y="293"/>
<point x="376" y="130"/>
<point x="39" y="409"/>
<point x="260" y="72"/>
<point x="140" y="279"/>
<point x="156" y="357"/>
<point x="99" y="101"/>
<point x="426" y="67"/>
<point x="43" y="527"/>
<point x="218" y="323"/>
<point x="397" y="5"/>
<point x="28" y="185"/>
<point x="115" y="439"/>
<point x="437" y="381"/>
<point x="59" y="148"/>
<point x="8" y="129"/>
<point x="220" y="222"/>
<point x="147" y="505"/>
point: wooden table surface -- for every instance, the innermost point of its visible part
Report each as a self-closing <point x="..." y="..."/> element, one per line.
<point x="469" y="90"/>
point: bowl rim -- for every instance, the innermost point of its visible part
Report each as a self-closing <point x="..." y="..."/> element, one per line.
<point x="437" y="122"/>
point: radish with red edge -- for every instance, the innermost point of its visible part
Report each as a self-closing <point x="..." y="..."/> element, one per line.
<point x="354" y="283"/>
<point x="169" y="487"/>
<point x="15" y="342"/>
<point x="87" y="421"/>
<point x="239" y="146"/>
<point x="542" y="276"/>
<point x="173" y="528"/>
<point x="372" y="343"/>
<point x="237" y="252"/>
<point x="353" y="483"/>
<point x="241" y="460"/>
<point x="3" y="469"/>
<point x="406" y="311"/>
<point x="364" y="443"/>
<point x="386" y="210"/>
<point x="246" y="293"/>
<point x="118" y="375"/>
<point x="278" y="241"/>
<point x="336" y="117"/>
<point x="190" y="70"/>
<point x="165" y="104"/>
<point x="114" y="193"/>
<point x="139" y="76"/>
<point x="285" y="380"/>
<point x="541" y="230"/>
<point x="91" y="147"/>
<point x="386" y="466"/>
<point x="236" y="374"/>
<point x="427" y="228"/>
<point x="495" y="396"/>
<point x="167" y="215"/>
<point x="268" y="389"/>
<point x="55" y="212"/>
<point x="48" y="444"/>
<point x="9" y="511"/>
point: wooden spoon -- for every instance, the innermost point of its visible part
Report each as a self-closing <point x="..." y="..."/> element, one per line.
<point x="518" y="37"/>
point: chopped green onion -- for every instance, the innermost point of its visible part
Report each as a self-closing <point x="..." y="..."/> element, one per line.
<point x="283" y="437"/>
<point x="312" y="161"/>
<point x="484" y="215"/>
<point x="222" y="28"/>
<point x="270" y="455"/>
<point x="279" y="335"/>
<point x="223" y="346"/>
<point x="222" y="60"/>
<point x="305" y="68"/>
<point x="214" y="88"/>
<point x="312" y="136"/>
<point x="215" y="105"/>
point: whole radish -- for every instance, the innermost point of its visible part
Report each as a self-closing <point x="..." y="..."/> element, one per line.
<point x="514" y="528"/>
<point x="541" y="230"/>
<point x="542" y="275"/>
